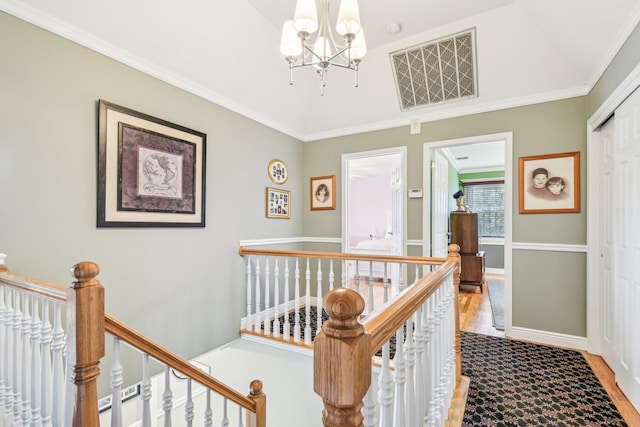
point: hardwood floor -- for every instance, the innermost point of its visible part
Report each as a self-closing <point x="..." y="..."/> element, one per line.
<point x="475" y="316"/>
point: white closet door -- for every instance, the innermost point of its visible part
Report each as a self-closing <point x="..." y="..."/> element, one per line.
<point x="608" y="298"/>
<point x="626" y="247"/>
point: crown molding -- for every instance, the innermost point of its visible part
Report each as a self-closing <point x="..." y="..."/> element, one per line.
<point x="82" y="38"/>
<point x="457" y="112"/>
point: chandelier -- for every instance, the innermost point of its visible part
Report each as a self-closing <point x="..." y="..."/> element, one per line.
<point x="322" y="52"/>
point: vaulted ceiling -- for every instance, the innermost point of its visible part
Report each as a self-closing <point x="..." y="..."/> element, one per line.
<point x="227" y="51"/>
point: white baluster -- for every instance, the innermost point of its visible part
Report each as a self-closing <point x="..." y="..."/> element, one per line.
<point x="433" y="356"/>
<point x="356" y="278"/>
<point x="208" y="413"/>
<point x="417" y="273"/>
<point x="307" y="305"/>
<point x="369" y="407"/>
<point x="188" y="407"/>
<point x="344" y="274"/>
<point x="248" y="322"/>
<point x="36" y="380"/>
<point x="257" y="326"/>
<point x="17" y="359"/>
<point x="419" y="369"/>
<point x="225" y="417"/>
<point x="240" y="417"/>
<point x="400" y="379"/>
<point x="3" y="345"/>
<point x="385" y="389"/>
<point x="371" y="300"/>
<point x="267" y="297"/>
<point x="276" y="299"/>
<point x="385" y="284"/>
<point x="7" y="362"/>
<point x="116" y="385"/>
<point x="331" y="275"/>
<point x="145" y="392"/>
<point x="425" y="358"/>
<point x="411" y="363"/>
<point x="25" y="329"/>
<point x="287" y="325"/>
<point x="319" y="298"/>
<point x="296" y="325"/>
<point x="167" y="397"/>
<point x="58" y="366"/>
<point x="45" y="366"/>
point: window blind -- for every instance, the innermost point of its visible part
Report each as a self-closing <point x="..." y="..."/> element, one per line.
<point x="487" y="200"/>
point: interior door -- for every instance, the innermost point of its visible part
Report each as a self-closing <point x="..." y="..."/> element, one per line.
<point x="439" y="205"/>
<point x="608" y="299"/>
<point x="626" y="277"/>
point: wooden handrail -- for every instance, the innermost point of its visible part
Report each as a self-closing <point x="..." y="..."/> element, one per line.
<point x="52" y="291"/>
<point x="137" y="340"/>
<point x="383" y="323"/>
<point x="343" y="256"/>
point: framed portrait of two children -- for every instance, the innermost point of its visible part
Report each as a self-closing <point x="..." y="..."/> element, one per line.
<point x="550" y="183"/>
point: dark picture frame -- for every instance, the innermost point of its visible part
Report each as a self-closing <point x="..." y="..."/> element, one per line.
<point x="550" y="183"/>
<point x="151" y="172"/>
<point x="278" y="203"/>
<point x="322" y="192"/>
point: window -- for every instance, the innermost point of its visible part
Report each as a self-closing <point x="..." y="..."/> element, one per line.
<point x="486" y="198"/>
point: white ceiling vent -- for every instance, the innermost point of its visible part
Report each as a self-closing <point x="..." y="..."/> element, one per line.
<point x="437" y="71"/>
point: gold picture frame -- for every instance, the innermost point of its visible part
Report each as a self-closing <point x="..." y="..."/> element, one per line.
<point x="278" y="171"/>
<point x="550" y="183"/>
<point x="278" y="203"/>
<point x="322" y="194"/>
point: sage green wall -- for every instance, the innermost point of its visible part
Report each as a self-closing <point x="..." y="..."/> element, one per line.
<point x="545" y="128"/>
<point x="482" y="175"/>
<point x="183" y="287"/>
<point x="623" y="63"/>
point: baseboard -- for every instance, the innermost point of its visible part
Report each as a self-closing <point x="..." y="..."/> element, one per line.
<point x="494" y="271"/>
<point x="548" y="338"/>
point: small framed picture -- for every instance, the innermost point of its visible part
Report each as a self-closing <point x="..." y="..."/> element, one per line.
<point x="550" y="183"/>
<point x="278" y="203"/>
<point x="323" y="193"/>
<point x="278" y="171"/>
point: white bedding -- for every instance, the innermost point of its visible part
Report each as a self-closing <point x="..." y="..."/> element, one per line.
<point x="378" y="244"/>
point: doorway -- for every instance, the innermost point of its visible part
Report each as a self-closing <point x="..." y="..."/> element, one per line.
<point x="432" y="215"/>
<point x="374" y="214"/>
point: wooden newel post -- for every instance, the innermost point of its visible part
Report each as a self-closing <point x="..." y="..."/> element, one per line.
<point x="454" y="255"/>
<point x="85" y="329"/>
<point x="259" y="419"/>
<point x="342" y="360"/>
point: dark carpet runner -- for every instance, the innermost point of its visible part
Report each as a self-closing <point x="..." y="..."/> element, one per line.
<point x="520" y="384"/>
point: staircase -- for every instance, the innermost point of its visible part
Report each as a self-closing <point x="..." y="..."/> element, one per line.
<point x="46" y="380"/>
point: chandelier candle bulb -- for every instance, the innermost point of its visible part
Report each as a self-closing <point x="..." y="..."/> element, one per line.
<point x="348" y="18"/>
<point x="322" y="51"/>
<point x="306" y="16"/>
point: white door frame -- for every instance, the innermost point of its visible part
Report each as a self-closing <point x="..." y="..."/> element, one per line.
<point x="594" y="285"/>
<point x="428" y="148"/>
<point x="345" y="189"/>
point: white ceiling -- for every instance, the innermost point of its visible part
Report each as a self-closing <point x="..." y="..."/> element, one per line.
<point x="227" y="51"/>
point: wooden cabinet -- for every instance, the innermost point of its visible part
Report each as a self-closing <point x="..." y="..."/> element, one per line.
<point x="464" y="233"/>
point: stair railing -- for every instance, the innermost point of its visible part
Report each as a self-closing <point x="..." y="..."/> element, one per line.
<point x="49" y="367"/>
<point x="286" y="289"/>
<point x="417" y="386"/>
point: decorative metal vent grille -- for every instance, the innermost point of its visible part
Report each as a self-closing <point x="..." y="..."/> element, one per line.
<point x="437" y="71"/>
